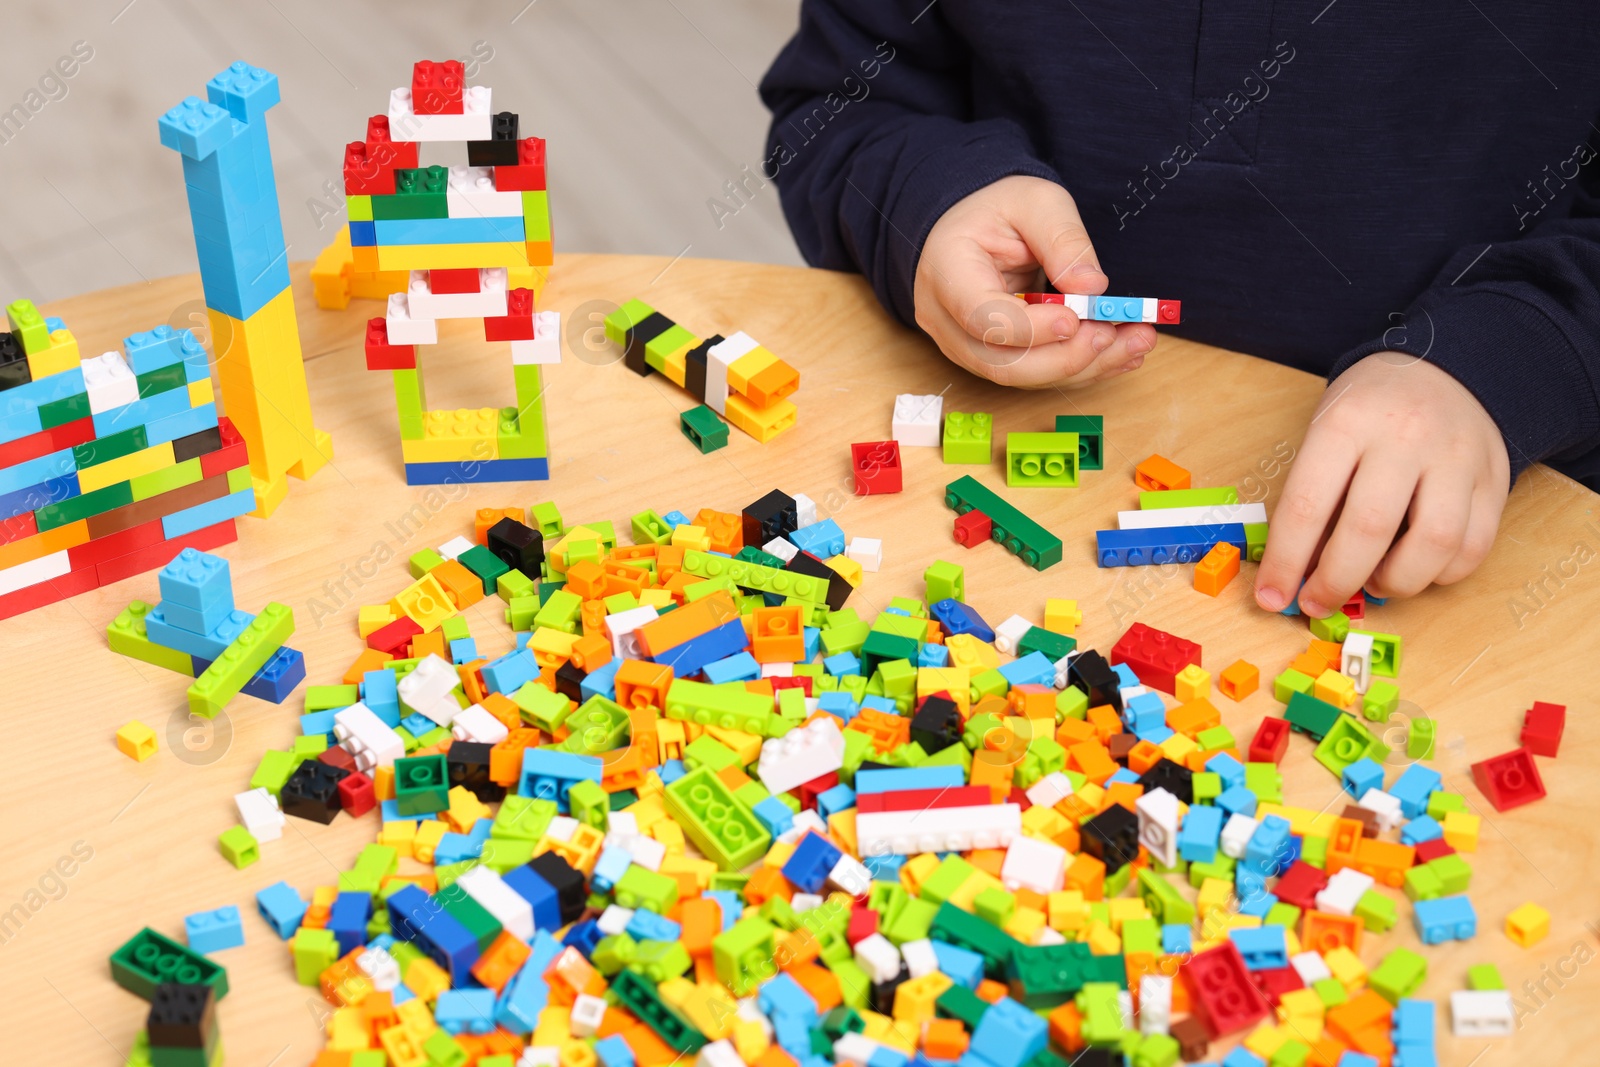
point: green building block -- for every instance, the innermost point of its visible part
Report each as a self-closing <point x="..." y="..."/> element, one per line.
<point x="329" y="697"/>
<point x="1054" y="646"/>
<point x="1292" y="1053"/>
<point x="547" y="520"/>
<point x="1042" y="976"/>
<point x="1215" y="739"/>
<point x="485" y="564"/>
<point x="956" y="927"/>
<point x="1483" y="976"/>
<point x="1314" y="851"/>
<point x="1441" y="804"/>
<point x="1099" y="1006"/>
<point x="273" y="770"/>
<point x="1188" y="498"/>
<point x="994" y="905"/>
<point x="1386" y="650"/>
<point x="466" y="910"/>
<point x="1290" y="682"/>
<point x="945" y="581"/>
<point x="514" y="585"/>
<point x="637" y="995"/>
<point x="590" y="805"/>
<point x="1162" y="1050"/>
<point x="640" y="887"/>
<point x="1091" y="438"/>
<point x="127" y="636"/>
<point x="419" y="193"/>
<point x="1400" y="974"/>
<point x="707" y="751"/>
<point x="1346" y="742"/>
<point x="1308" y="715"/>
<point x="728" y="706"/>
<point x="1255" y="541"/>
<point x="660" y="960"/>
<point x="147" y="959"/>
<point x="1419" y="740"/>
<point x="1331" y="628"/>
<point x="1453" y="872"/>
<point x="421" y="785"/>
<point x="960" y="1003"/>
<point x="1265" y="781"/>
<point x="712" y="818"/>
<point x="239" y="847"/>
<point x="1042" y="459"/>
<point x="1380" y="700"/>
<point x="423" y="561"/>
<point x="703" y="428"/>
<point x="757" y="578"/>
<point x="442" y="1050"/>
<point x="968" y="438"/>
<point x="240" y="661"/>
<point x="1207" y="786"/>
<point x="1330" y="991"/>
<point x="1021" y="536"/>
<point x="743" y="954"/>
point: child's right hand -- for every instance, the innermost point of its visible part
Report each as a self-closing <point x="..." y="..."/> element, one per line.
<point x="995" y="243"/>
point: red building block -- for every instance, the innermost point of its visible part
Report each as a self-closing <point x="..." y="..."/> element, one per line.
<point x="230" y="456"/>
<point x="802" y="683"/>
<point x="1277" y="981"/>
<point x="973" y="528"/>
<point x="1428" y="851"/>
<point x="56" y="589"/>
<point x="112" y="546"/>
<point x="381" y="355"/>
<point x="398" y="153"/>
<point x="517" y="323"/>
<point x="17" y="527"/>
<point x="394" y="637"/>
<point x="1509" y="781"/>
<point x="1542" y="726"/>
<point x="877" y="467"/>
<point x="455" y="280"/>
<point x="528" y="174"/>
<point x="1155" y="656"/>
<point x="1221" y="994"/>
<point x="1169" y="312"/>
<point x="436" y="87"/>
<point x="863" y="924"/>
<point x="367" y="171"/>
<point x="1300" y="885"/>
<point x="356" y="794"/>
<point x="810" y="791"/>
<point x="1271" y="740"/>
<point x="159" y="555"/>
<point x="963" y="796"/>
<point x="1355" y="609"/>
<point x="67" y="435"/>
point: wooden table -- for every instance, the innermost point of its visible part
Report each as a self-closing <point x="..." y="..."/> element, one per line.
<point x="139" y="838"/>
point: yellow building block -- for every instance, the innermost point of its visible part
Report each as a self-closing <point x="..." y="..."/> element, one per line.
<point x="1335" y="688"/>
<point x="1346" y="966"/>
<point x="968" y="891"/>
<point x="447" y="257"/>
<point x="1102" y="940"/>
<point x="137" y="741"/>
<point x="692" y="537"/>
<point x="1062" y="616"/>
<point x="746" y="367"/>
<point x="847" y="568"/>
<point x="1025" y="924"/>
<point x="60" y="356"/>
<point x="373" y="617"/>
<point x="425" y="602"/>
<point x="761" y="423"/>
<point x="1177" y="747"/>
<point x="842" y="828"/>
<point x="465" y="810"/>
<point x="264" y="391"/>
<point x="429" y="833"/>
<point x="957" y="681"/>
<point x="1461" y="830"/>
<point x="201" y="393"/>
<point x="1068" y="911"/>
<point x="455" y="436"/>
<point x="145" y="461"/>
<point x="399" y="834"/>
<point x="1528" y="925"/>
<point x="1122" y="909"/>
<point x="749" y="1040"/>
<point x="915" y="870"/>
<point x="1192" y="683"/>
<point x="975" y="656"/>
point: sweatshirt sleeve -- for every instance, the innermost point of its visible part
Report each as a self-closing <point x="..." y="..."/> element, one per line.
<point x="1518" y="324"/>
<point x="873" y="137"/>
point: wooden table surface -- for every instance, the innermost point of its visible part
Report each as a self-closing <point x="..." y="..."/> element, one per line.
<point x="96" y="846"/>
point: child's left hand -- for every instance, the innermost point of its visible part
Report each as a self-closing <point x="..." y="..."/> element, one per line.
<point x="1395" y="439"/>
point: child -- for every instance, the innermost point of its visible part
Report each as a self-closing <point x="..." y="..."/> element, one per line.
<point x="1402" y="200"/>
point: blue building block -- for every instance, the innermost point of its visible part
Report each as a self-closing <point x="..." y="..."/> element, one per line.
<point x="842" y="663"/>
<point x="671" y="771"/>
<point x="416" y="917"/>
<point x="1258" y="903"/>
<point x="675" y="519"/>
<point x="959" y="618"/>
<point x="1362" y="775"/>
<point x="1125" y="675"/>
<point x="417" y="724"/>
<point x="162" y="346"/>
<point x="348" y="918"/>
<point x="1445" y="919"/>
<point x="613" y="863"/>
<point x="783" y="997"/>
<point x="206" y="646"/>
<point x="198" y="620"/>
<point x="1198" y="836"/>
<point x="613" y="1051"/>
<point x="1268" y="848"/>
<point x="20" y="424"/>
<point x="812" y="638"/>
<point x="840" y="704"/>
<point x="1422" y="828"/>
<point x="1116" y="308"/>
<point x="145" y="410"/>
<point x="876" y="703"/>
<point x="809" y="864"/>
<point x="584" y="937"/>
<point x="821" y="539"/>
<point x="837" y="799"/>
<point x="318" y="722"/>
<point x="180" y="424"/>
<point x="215" y="930"/>
<point x="469" y="230"/>
<point x="1176" y="940"/>
<point x="732" y="907"/>
<point x="363" y="234"/>
<point x="1144" y="712"/>
<point x="1236" y="800"/>
<point x="602" y="681"/>
<point x="1414" y="787"/>
<point x="893" y="779"/>
<point x="1122" y="776"/>
<point x="1413" y="1022"/>
<point x="528" y="884"/>
<point x="739" y="667"/>
<point x="380" y="692"/>
<point x="463" y="650"/>
<point x="884" y="867"/>
<point x="1230" y="770"/>
<point x="482" y="470"/>
<point x="960" y="965"/>
<point x="527" y="994"/>
<point x="648" y="926"/>
<point x="1263" y="949"/>
<point x="1164" y="544"/>
<point x="33" y="472"/>
<point x="280" y="905"/>
<point x="933" y="656"/>
<point x="453" y="847"/>
<point x="30" y="396"/>
<point x="1348" y="1059"/>
<point x="510" y="672"/>
<point x="1243" y="1057"/>
<point x="1008" y="1035"/>
<point x="1155" y="734"/>
<point x="33" y="497"/>
<point x="693" y="656"/>
<point x="884" y="1056"/>
<point x="550" y="775"/>
<point x="209" y="513"/>
<point x="465" y="1011"/>
<point x="276" y="679"/>
<point x="774" y="815"/>
<point x="1033" y="669"/>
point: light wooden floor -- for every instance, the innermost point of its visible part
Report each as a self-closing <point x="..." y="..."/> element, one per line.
<point x="649" y="106"/>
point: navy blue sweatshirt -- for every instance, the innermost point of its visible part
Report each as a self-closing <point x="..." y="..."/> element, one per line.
<point x="1315" y="181"/>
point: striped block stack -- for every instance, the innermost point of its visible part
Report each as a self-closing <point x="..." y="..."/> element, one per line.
<point x="475" y="243"/>
<point x="734" y="376"/>
<point x="109" y="466"/>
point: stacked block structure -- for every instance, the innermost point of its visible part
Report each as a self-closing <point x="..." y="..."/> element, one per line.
<point x="109" y="466"/>
<point x="244" y="269"/>
<point x="473" y="242"/>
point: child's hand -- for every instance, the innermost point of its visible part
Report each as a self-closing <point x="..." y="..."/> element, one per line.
<point x="1394" y="439"/>
<point x="991" y="245"/>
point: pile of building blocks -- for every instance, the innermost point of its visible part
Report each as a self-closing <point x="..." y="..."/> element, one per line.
<point x="244" y="269"/>
<point x="109" y="466"/>
<point x="702" y="806"/>
<point x="473" y="242"/>
<point x="195" y="630"/>
<point x="734" y="376"/>
<point x="1113" y="308"/>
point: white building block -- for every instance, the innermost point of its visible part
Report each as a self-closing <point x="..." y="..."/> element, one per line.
<point x="867" y="551"/>
<point x="918" y="420"/>
<point x="540" y="1056"/>
<point x="1356" y="659"/>
<point x="717" y="1054"/>
<point x="1033" y="864"/>
<point x="488" y="302"/>
<point x="1048" y="936"/>
<point x="561" y="828"/>
<point x="777" y="670"/>
<point x="109" y="381"/>
<point x="719" y="357"/>
<point x="509" y="908"/>
<point x="456" y="545"/>
<point x="1236" y="834"/>
<point x="1482" y="1013"/>
<point x="368" y="738"/>
<point x="1008" y="633"/>
<point x="429" y="689"/>
<point x="382" y="968"/>
<point x="588" y="1014"/>
<point x="471" y="195"/>
<point x="1385" y="806"/>
<point x="1202" y="515"/>
<point x="475" y="123"/>
<point x="1155" y="1004"/>
<point x="1158" y="825"/>
<point x="803" y="823"/>
<point x="621" y="626"/>
<point x="781" y="547"/>
<point x="1343" y="891"/>
<point x="906" y="833"/>
<point x="805" y="511"/>
<point x="405" y="330"/>
<point x="850" y="875"/>
<point x="259" y="813"/>
<point x="35" y="571"/>
<point x="854" y="1050"/>
<point x="804" y="902"/>
<point x="545" y="348"/>
<point x="878" y="957"/>
<point x="474" y="724"/>
<point x="801" y="755"/>
<point x="1310" y="967"/>
<point x="614" y="920"/>
<point x="1050" y="790"/>
<point x="919" y="956"/>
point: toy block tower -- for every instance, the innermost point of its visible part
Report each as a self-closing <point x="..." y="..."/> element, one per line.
<point x="109" y="466"/>
<point x="244" y="268"/>
<point x="475" y="243"/>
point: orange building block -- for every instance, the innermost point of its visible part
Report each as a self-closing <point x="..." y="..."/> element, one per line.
<point x="590" y="653"/>
<point x="1386" y="861"/>
<point x="505" y="758"/>
<point x="1351" y="1021"/>
<point x="641" y="684"/>
<point x="487" y="517"/>
<point x="820" y="983"/>
<point x="1105" y="720"/>
<point x="370" y="660"/>
<point x="1159" y="473"/>
<point x="1088" y="876"/>
<point x="1143" y="756"/>
<point x="992" y="991"/>
<point x="1125" y="793"/>
<point x="766" y="883"/>
<point x="430" y="644"/>
<point x="587" y="579"/>
<point x="778" y="635"/>
<point x="1322" y="932"/>
<point x="686" y="623"/>
<point x="1189" y="719"/>
<point x="945" y="1039"/>
<point x="1239" y="680"/>
<point x="462" y="586"/>
<point x="503" y="958"/>
<point x="725" y="529"/>
<point x="1216" y="568"/>
<point x="1066" y="1027"/>
<point x="1092" y="760"/>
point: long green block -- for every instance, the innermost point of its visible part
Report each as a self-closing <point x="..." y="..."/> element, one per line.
<point x="145" y="486"/>
<point x="1022" y="537"/>
<point x="241" y="660"/>
<point x="127" y="637"/>
<point x="1188" y="498"/>
<point x="113" y="446"/>
<point x="82" y="506"/>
